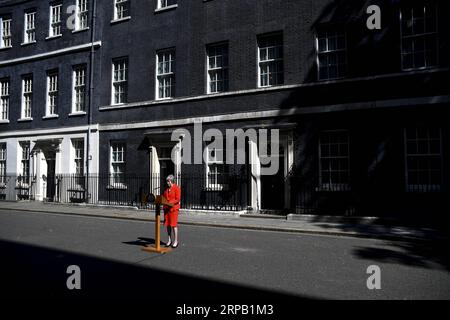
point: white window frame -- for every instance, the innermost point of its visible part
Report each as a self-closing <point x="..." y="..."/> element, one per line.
<point x="79" y="89"/>
<point x="5" y="33"/>
<point x="78" y="162"/>
<point x="416" y="36"/>
<point x="82" y="15"/>
<point x="212" y="184"/>
<point x="52" y="94"/>
<point x="268" y="62"/>
<point x="165" y="4"/>
<point x="119" y="79"/>
<point x="118" y="147"/>
<point x="220" y="71"/>
<point x="165" y="78"/>
<point x="55" y="22"/>
<point x="423" y="187"/>
<point x="29" y="32"/>
<point x="330" y="185"/>
<point x="4" y="98"/>
<point x="3" y="171"/>
<point x="27" y="97"/>
<point x="25" y="168"/>
<point x="121" y="9"/>
<point x="328" y="52"/>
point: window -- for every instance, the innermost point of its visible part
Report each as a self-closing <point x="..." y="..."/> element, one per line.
<point x="216" y="169"/>
<point x="78" y="156"/>
<point x="30" y="29"/>
<point x="121" y="9"/>
<point x="2" y="164"/>
<point x="4" y="99"/>
<point x="334" y="161"/>
<point x="120" y="81"/>
<point x="5" y="32"/>
<point x="419" y="37"/>
<point x="217" y="56"/>
<point x="165" y="74"/>
<point x="423" y="159"/>
<point x="270" y="60"/>
<point x="55" y="20"/>
<point x="81" y="17"/>
<point x="166" y="3"/>
<point x="52" y="94"/>
<point x="27" y="96"/>
<point x="24" y="163"/>
<point x="331" y="54"/>
<point x="79" y="89"/>
<point x="118" y="161"/>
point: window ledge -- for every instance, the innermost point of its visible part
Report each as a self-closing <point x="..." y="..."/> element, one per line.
<point x="171" y="7"/>
<point x="24" y="119"/>
<point x="53" y="116"/>
<point x="80" y="30"/>
<point x="333" y="188"/>
<point x="53" y="37"/>
<point x="120" y="20"/>
<point x="5" y="48"/>
<point x="117" y="187"/>
<point x="77" y="114"/>
<point x="27" y="43"/>
<point x="3" y="121"/>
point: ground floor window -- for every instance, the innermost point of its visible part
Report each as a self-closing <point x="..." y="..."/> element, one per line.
<point x="118" y="161"/>
<point x="423" y="148"/>
<point x="216" y="169"/>
<point x="334" y="155"/>
<point x="25" y="163"/>
<point x="2" y="163"/>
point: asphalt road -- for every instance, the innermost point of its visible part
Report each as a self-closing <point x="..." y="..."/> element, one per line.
<point x="211" y="265"/>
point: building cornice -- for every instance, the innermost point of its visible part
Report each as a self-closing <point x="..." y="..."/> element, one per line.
<point x="50" y="54"/>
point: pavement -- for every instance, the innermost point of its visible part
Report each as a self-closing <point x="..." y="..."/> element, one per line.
<point x="367" y="227"/>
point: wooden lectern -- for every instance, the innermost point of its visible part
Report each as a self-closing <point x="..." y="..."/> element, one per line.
<point x="156" y="248"/>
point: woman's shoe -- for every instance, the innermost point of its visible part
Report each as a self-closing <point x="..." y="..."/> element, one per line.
<point x="175" y="246"/>
<point x="168" y="244"/>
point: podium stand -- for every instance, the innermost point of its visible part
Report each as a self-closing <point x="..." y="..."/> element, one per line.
<point x="156" y="248"/>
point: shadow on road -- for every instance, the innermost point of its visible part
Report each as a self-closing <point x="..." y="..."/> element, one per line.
<point x="36" y="272"/>
<point x="427" y="254"/>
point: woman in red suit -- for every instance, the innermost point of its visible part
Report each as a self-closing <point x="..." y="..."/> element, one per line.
<point x="173" y="196"/>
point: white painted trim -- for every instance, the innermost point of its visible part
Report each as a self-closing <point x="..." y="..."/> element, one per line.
<point x="51" y="53"/>
<point x="277" y="113"/>
<point x="262" y="90"/>
<point x="25" y="133"/>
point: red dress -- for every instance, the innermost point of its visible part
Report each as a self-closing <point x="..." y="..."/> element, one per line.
<point x="173" y="195"/>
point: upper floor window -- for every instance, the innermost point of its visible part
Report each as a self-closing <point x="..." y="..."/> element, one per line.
<point x="2" y="163"/>
<point x="423" y="147"/>
<point x="331" y="54"/>
<point x="121" y="9"/>
<point x="55" y="20"/>
<point x="79" y="89"/>
<point x="334" y="154"/>
<point x="5" y="32"/>
<point x="30" y="28"/>
<point x="217" y="76"/>
<point x="270" y="60"/>
<point x="419" y="37"/>
<point x="27" y="96"/>
<point x="52" y="93"/>
<point x="166" y="3"/>
<point x="120" y="81"/>
<point x="165" y="74"/>
<point x="82" y="14"/>
<point x="4" y="99"/>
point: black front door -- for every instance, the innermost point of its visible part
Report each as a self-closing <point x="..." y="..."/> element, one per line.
<point x="51" y="179"/>
<point x="272" y="189"/>
<point x="167" y="168"/>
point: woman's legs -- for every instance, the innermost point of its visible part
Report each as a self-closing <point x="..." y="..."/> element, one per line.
<point x="175" y="231"/>
<point x="169" y="233"/>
